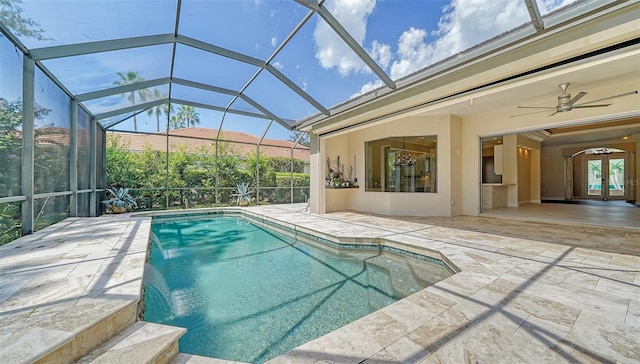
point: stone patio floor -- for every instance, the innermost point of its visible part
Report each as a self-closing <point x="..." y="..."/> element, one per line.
<point x="526" y="292"/>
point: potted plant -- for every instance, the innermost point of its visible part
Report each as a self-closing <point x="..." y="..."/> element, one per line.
<point x="243" y="193"/>
<point x="120" y="201"/>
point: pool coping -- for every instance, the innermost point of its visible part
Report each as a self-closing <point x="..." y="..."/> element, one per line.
<point x="508" y="291"/>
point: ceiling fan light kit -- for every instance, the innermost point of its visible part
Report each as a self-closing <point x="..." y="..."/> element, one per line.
<point x="566" y="103"/>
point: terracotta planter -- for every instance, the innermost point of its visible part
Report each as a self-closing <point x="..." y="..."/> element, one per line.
<point x="118" y="210"/>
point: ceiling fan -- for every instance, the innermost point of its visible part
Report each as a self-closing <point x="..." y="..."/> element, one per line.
<point x="566" y="103"/>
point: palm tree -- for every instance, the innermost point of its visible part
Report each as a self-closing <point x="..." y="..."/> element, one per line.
<point x="189" y="115"/>
<point x="175" y="122"/>
<point x="129" y="78"/>
<point x="169" y="110"/>
<point x="158" y="110"/>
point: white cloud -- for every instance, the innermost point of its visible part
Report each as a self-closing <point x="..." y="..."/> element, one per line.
<point x="550" y="5"/>
<point x="369" y="86"/>
<point x="413" y="53"/>
<point x="274" y="41"/>
<point x="381" y="53"/>
<point x="331" y="50"/>
<point x="278" y="65"/>
<point x="463" y="24"/>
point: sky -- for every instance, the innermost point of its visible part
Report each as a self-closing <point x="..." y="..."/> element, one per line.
<point x="402" y="36"/>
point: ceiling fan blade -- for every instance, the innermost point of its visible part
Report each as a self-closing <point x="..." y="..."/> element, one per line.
<point x="529" y="113"/>
<point x="609" y="98"/>
<point x="585" y="106"/>
<point x="576" y="98"/>
<point x="537" y="107"/>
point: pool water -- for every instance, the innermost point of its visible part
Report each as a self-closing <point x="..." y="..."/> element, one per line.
<point x="248" y="294"/>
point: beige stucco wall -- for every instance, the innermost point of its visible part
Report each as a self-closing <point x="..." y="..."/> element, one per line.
<point x="449" y="153"/>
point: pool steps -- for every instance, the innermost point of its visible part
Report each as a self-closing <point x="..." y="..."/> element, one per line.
<point x="142" y="342"/>
<point x="196" y="359"/>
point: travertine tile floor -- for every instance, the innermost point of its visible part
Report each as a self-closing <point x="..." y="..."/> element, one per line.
<point x="527" y="292"/>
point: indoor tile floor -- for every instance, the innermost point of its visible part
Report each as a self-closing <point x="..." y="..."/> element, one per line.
<point x="526" y="292"/>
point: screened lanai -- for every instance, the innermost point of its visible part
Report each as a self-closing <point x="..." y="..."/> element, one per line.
<point x="180" y="101"/>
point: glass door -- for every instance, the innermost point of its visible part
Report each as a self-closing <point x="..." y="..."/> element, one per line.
<point x="605" y="177"/>
<point x="594" y="178"/>
<point x="616" y="178"/>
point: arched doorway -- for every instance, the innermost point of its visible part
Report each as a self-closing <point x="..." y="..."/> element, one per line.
<point x="600" y="174"/>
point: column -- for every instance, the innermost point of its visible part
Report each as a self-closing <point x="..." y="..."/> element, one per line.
<point x="93" y="166"/>
<point x="317" y="203"/>
<point x="73" y="160"/>
<point x="568" y="178"/>
<point x="632" y="181"/>
<point x="28" y="119"/>
<point x="510" y="168"/>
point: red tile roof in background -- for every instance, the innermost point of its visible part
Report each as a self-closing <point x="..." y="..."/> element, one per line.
<point x="195" y="137"/>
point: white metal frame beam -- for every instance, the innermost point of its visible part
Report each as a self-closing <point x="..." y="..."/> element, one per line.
<point x="132" y="108"/>
<point x="534" y="14"/>
<point x="79" y="49"/>
<point x="218" y="108"/>
<point x="122" y="89"/>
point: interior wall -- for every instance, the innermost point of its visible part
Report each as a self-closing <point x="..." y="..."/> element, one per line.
<point x="579" y="175"/>
<point x="528" y="170"/>
<point x="488" y="166"/>
<point x="552" y="174"/>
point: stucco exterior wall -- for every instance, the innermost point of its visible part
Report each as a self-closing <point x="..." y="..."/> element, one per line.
<point x="350" y="146"/>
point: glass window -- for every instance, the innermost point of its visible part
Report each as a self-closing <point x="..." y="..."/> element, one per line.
<point x="10" y="119"/>
<point x="10" y="221"/>
<point x="50" y="210"/>
<point x="84" y="156"/>
<point x="52" y="132"/>
<point x="402" y="164"/>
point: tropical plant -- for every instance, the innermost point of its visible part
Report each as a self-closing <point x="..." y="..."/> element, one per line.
<point x="129" y="78"/>
<point x="243" y="193"/>
<point x="175" y="122"/>
<point x="120" y="200"/>
<point x="11" y="17"/>
<point x="158" y="110"/>
<point x="188" y="115"/>
<point x="9" y="223"/>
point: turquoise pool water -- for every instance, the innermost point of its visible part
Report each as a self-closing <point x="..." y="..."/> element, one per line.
<point x="248" y="294"/>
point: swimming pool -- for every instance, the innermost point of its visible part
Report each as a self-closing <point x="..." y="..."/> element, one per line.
<point x="249" y="294"/>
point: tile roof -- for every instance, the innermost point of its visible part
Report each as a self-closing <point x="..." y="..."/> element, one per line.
<point x="195" y="137"/>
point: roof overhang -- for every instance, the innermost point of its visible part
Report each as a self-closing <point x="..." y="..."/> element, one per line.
<point x="506" y="60"/>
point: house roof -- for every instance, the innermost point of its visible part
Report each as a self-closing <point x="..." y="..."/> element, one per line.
<point x="196" y="137"/>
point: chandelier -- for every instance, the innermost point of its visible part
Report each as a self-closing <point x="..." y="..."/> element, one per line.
<point x="404" y="159"/>
<point x="604" y="150"/>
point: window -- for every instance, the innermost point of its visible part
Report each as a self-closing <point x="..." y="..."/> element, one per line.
<point x="402" y="164"/>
